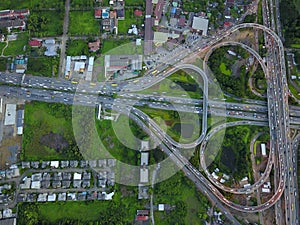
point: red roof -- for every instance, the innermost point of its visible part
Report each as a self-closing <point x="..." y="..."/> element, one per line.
<point x="181" y="21"/>
<point x="35" y="43"/>
<point x="226" y="24"/>
<point x="141" y="218"/>
<point x="138" y="12"/>
<point x="98" y="13"/>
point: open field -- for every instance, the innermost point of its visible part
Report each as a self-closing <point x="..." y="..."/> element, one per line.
<point x="83" y="23"/>
<point x="120" y="210"/>
<point x="17" y="47"/>
<point x="45" y="124"/>
<point x="77" y="47"/>
<point x="43" y="66"/>
<point x="31" y="4"/>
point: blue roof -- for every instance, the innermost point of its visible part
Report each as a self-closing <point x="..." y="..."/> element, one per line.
<point x="173" y="10"/>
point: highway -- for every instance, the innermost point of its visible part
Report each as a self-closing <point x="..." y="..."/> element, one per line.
<point x="277" y="103"/>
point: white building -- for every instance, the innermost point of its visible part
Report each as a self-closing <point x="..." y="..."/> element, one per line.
<point x="263" y="149"/>
<point x="200" y="24"/>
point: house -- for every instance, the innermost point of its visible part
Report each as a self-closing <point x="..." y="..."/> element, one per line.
<point x="54" y="164"/>
<point x="51" y="197"/>
<point x="181" y="22"/>
<point x="98" y="13"/>
<point x="120" y="14"/>
<point x="94" y="46"/>
<point x="12" y="24"/>
<point x="51" y="47"/>
<point x="200" y="24"/>
<point x="20" y="64"/>
<point x="35" y="43"/>
<point x="105" y="13"/>
<point x="138" y="12"/>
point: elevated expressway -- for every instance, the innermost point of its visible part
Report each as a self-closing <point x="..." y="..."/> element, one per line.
<point x="277" y="129"/>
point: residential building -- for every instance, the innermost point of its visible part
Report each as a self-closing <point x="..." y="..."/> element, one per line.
<point x="94" y="46"/>
<point x="98" y="13"/>
<point x="35" y="43"/>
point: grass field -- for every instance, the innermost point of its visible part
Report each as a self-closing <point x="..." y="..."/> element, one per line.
<point x="31" y="4"/>
<point x="123" y="46"/>
<point x="41" y="119"/>
<point x="83" y="23"/>
<point x="53" y="26"/>
<point x="43" y="66"/>
<point x="224" y="70"/>
<point x="17" y="47"/>
<point x="295" y="45"/>
<point x="82" y="3"/>
<point x="77" y="47"/>
<point x="120" y="210"/>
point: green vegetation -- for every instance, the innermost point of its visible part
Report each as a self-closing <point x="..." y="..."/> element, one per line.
<point x="114" y="133"/>
<point x="139" y="3"/>
<point x="295" y="45"/>
<point x="290" y="19"/>
<point x="45" y="23"/>
<point x="32" y="4"/>
<point x="224" y="70"/>
<point x="250" y="18"/>
<point x="180" y="84"/>
<point x="43" y="66"/>
<point x="172" y="121"/>
<point x="234" y="155"/>
<point x="259" y="12"/>
<point x="83" y="23"/>
<point x="190" y="205"/>
<point x="260" y="80"/>
<point x="120" y="210"/>
<point x="191" y="6"/>
<point x="130" y="18"/>
<point x="18" y="46"/>
<point x="120" y="46"/>
<point x="237" y="83"/>
<point x="3" y="62"/>
<point x="77" y="47"/>
<point x="48" y="133"/>
<point x="79" y="4"/>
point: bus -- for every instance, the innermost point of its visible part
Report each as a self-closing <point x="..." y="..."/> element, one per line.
<point x="114" y="85"/>
<point x="135" y="81"/>
<point x="74" y="82"/>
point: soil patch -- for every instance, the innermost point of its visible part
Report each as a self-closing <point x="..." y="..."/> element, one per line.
<point x="54" y="141"/>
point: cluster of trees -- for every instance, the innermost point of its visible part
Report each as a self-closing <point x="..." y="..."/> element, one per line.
<point x="37" y="23"/>
<point x="290" y="19"/>
<point x="236" y="85"/>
